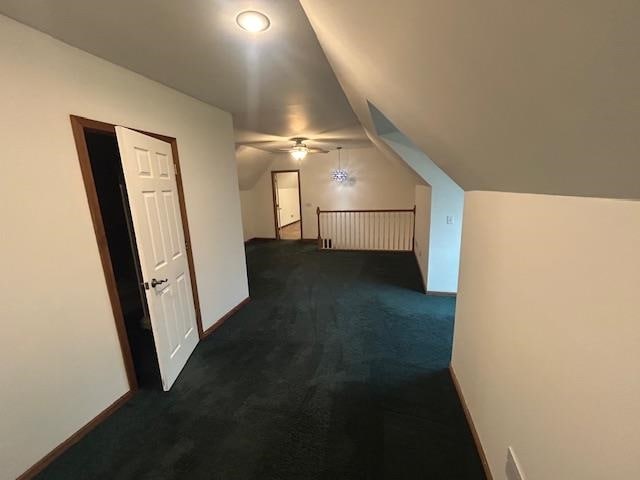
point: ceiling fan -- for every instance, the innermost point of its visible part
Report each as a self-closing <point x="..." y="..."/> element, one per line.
<point x="299" y="150"/>
<point x="315" y="141"/>
<point x="315" y="144"/>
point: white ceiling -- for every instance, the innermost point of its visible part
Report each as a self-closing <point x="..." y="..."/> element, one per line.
<point x="252" y="163"/>
<point x="278" y="84"/>
<point x="512" y="95"/>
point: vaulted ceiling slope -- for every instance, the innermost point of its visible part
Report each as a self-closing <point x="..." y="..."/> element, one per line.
<point x="277" y="84"/>
<point x="519" y="96"/>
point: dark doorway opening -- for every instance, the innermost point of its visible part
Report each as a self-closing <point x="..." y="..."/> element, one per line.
<point x="108" y="179"/>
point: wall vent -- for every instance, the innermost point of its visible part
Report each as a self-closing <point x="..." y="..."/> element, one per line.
<point x="513" y="468"/>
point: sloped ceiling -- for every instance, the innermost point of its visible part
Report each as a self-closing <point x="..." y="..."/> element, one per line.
<point x="277" y="84"/>
<point x="508" y="95"/>
<point x="252" y="162"/>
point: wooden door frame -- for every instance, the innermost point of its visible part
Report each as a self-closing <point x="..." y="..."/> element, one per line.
<point x="275" y="208"/>
<point x="79" y="126"/>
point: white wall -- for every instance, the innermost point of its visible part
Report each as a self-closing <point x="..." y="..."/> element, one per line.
<point x="61" y="364"/>
<point x="547" y="333"/>
<point x="289" y="202"/>
<point x="423" y="222"/>
<point x="447" y="200"/>
<point x="376" y="183"/>
<point x="246" y="204"/>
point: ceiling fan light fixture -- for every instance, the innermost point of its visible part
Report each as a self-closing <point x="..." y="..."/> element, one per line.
<point x="298" y="152"/>
<point x="253" y="21"/>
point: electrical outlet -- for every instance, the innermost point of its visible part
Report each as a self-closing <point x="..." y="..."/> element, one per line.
<point x="513" y="468"/>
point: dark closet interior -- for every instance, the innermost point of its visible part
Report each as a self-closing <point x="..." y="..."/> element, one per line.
<point x="114" y="208"/>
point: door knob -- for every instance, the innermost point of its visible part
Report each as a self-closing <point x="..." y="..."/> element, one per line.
<point x="155" y="283"/>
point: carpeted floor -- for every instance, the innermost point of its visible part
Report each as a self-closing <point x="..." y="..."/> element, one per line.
<point x="337" y="369"/>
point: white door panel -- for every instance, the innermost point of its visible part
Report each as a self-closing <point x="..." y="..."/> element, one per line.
<point x="153" y="197"/>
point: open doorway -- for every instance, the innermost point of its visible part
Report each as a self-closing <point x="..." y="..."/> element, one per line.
<point x="287" y="204"/>
<point x="136" y="199"/>
<point x="108" y="178"/>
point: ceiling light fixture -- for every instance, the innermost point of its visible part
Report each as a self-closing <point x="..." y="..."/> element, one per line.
<point x="339" y="175"/>
<point x="299" y="150"/>
<point x="253" y="21"/>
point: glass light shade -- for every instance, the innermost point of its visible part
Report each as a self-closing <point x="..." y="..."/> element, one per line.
<point x="299" y="152"/>
<point x="253" y="21"/>
<point x="339" y="175"/>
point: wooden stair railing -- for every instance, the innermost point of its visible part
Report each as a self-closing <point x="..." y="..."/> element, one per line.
<point x="382" y="230"/>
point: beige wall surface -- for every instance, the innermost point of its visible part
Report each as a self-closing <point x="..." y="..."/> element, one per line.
<point x="375" y="183"/>
<point x="289" y="201"/>
<point x="61" y="362"/>
<point x="547" y="333"/>
<point x="445" y="216"/>
<point x="423" y="222"/>
<point x="246" y="201"/>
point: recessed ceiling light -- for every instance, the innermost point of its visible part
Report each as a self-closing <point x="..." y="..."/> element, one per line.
<point x="253" y="21"/>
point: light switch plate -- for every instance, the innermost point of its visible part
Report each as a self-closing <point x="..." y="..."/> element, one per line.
<point x="449" y="219"/>
<point x="513" y="468"/>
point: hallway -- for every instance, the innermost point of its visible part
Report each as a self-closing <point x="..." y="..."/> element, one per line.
<point x="293" y="231"/>
<point x="336" y="369"/>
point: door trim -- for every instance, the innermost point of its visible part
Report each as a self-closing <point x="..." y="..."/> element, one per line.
<point x="79" y="125"/>
<point x="275" y="208"/>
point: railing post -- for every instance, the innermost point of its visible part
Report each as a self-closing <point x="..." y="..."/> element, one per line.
<point x="319" y="237"/>
<point x="413" y="238"/>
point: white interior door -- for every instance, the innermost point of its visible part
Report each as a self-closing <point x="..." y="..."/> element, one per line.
<point x="155" y="212"/>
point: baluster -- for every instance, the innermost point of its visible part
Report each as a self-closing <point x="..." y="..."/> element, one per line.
<point x="407" y="222"/>
<point x="376" y="227"/>
<point x="355" y="230"/>
<point x="367" y="224"/>
<point x="385" y="219"/>
<point x="351" y="231"/>
<point x="346" y="230"/>
<point x="394" y="224"/>
<point x="407" y="232"/>
<point x="392" y="231"/>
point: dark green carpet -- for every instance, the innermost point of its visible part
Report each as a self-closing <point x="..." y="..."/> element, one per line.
<point x="337" y="369"/>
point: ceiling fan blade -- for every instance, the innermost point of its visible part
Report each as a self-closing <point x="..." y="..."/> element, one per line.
<point x="260" y="142"/>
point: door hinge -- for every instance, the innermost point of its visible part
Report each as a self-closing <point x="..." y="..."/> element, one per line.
<point x="175" y="169"/>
